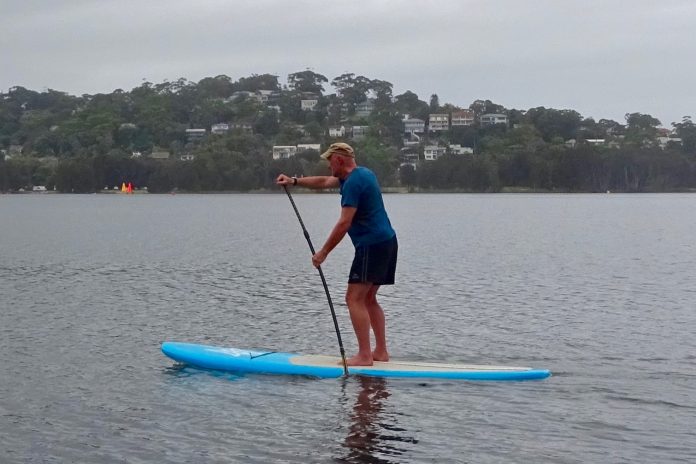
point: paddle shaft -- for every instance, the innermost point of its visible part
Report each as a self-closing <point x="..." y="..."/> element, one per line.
<point x="323" y="281"/>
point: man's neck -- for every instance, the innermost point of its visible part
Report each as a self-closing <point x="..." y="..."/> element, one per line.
<point x="347" y="172"/>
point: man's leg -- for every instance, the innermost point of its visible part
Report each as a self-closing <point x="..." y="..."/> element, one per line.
<point x="356" y="299"/>
<point x="378" y="325"/>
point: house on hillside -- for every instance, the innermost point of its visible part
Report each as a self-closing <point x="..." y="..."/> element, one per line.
<point x="220" y="128"/>
<point x="268" y="96"/>
<point x="12" y="151"/>
<point x="284" y="151"/>
<point x="438" y="122"/>
<point x="433" y="152"/>
<point x="457" y="149"/>
<point x="408" y="157"/>
<point x="195" y="135"/>
<point x="364" y="109"/>
<point x="308" y="105"/>
<point x="413" y="125"/>
<point x="159" y="154"/>
<point x="308" y="146"/>
<point x="359" y="132"/>
<point x="243" y="94"/>
<point x="335" y="132"/>
<point x="596" y="142"/>
<point x="491" y="119"/>
<point x="665" y="142"/>
<point x="462" y="118"/>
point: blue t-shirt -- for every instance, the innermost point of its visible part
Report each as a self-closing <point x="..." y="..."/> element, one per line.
<point x="370" y="224"/>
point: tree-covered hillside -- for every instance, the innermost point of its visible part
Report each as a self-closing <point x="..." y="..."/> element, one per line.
<point x="148" y="136"/>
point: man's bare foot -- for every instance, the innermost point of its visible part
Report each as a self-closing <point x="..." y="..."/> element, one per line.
<point x="380" y="356"/>
<point x="359" y="360"/>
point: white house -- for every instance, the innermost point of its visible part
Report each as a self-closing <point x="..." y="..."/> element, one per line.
<point x="337" y="131"/>
<point x="457" y="149"/>
<point x="284" y="151"/>
<point x="664" y="142"/>
<point x="308" y="146"/>
<point x="365" y="108"/>
<point x="239" y="94"/>
<point x="462" y="118"/>
<point x="491" y="119"/>
<point x="266" y="95"/>
<point x="438" y="122"/>
<point x="12" y="151"/>
<point x="433" y="152"/>
<point x="159" y="153"/>
<point x="308" y="105"/>
<point x="413" y="125"/>
<point x="194" y="135"/>
<point x="409" y="156"/>
<point x="360" y="131"/>
<point x="219" y="128"/>
<point x="596" y="141"/>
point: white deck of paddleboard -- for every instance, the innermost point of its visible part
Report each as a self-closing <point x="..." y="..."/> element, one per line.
<point x="416" y="366"/>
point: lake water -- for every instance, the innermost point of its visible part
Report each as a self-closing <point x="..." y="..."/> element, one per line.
<point x="600" y="289"/>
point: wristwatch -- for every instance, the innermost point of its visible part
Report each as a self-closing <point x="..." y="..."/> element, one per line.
<point x="294" y="180"/>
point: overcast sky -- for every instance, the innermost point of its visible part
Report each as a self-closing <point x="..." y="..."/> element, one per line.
<point x="603" y="58"/>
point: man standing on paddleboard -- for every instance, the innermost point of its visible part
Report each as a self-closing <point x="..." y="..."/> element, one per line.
<point x="365" y="220"/>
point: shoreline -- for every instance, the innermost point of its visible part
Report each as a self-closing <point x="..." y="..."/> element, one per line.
<point x="386" y="191"/>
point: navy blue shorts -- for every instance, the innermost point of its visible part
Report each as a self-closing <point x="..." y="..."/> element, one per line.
<point x="375" y="264"/>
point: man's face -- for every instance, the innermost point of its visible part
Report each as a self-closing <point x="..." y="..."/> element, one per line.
<point x="335" y="164"/>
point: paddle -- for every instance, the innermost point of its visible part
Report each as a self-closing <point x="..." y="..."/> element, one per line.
<point x="323" y="280"/>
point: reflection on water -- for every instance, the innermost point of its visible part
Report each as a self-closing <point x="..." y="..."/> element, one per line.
<point x="373" y="435"/>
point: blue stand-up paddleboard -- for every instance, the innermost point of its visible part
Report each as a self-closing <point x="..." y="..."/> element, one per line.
<point x="271" y="362"/>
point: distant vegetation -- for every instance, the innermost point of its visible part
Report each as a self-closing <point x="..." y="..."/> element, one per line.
<point x="91" y="142"/>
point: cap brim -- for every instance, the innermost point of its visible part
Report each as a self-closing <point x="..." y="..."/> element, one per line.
<point x="330" y="152"/>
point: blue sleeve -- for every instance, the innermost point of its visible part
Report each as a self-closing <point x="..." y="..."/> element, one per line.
<point x="350" y="194"/>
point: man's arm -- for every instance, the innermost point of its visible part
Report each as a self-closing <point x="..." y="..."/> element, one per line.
<point x="339" y="231"/>
<point x="312" y="182"/>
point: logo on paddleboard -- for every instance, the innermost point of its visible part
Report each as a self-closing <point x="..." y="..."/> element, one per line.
<point x="237" y="353"/>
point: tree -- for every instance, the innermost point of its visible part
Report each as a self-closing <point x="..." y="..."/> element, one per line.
<point x="215" y="87"/>
<point x="19" y="172"/>
<point x="351" y="90"/>
<point x="525" y="137"/>
<point x="381" y="159"/>
<point x="480" y="107"/>
<point x="554" y="123"/>
<point x="257" y="82"/>
<point x="382" y="91"/>
<point x="641" y="129"/>
<point x="409" y="103"/>
<point x="466" y="136"/>
<point x="434" y="106"/>
<point x="407" y="175"/>
<point x="267" y="124"/>
<point x="686" y="130"/>
<point x="307" y="81"/>
<point x="75" y="176"/>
